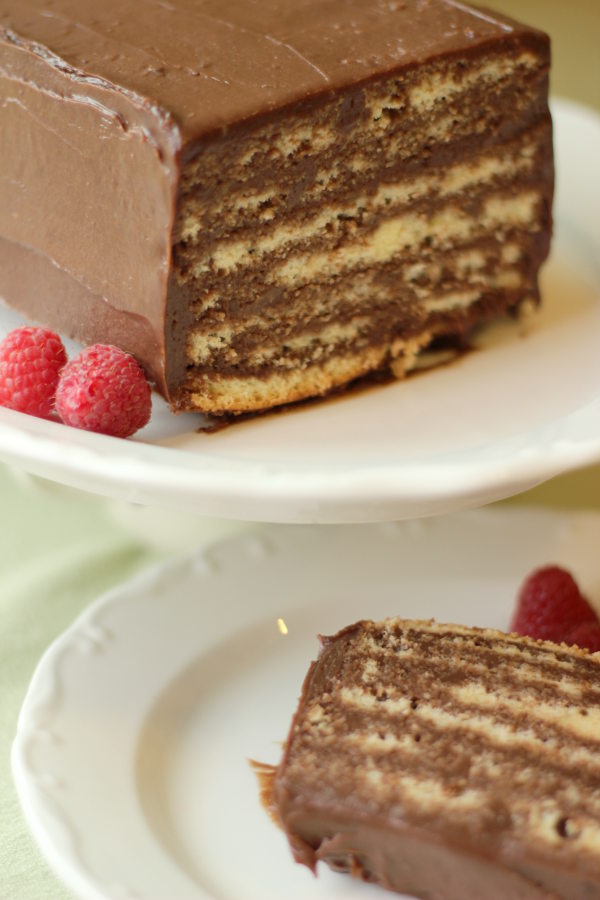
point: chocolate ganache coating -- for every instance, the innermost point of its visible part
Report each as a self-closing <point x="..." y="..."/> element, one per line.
<point x="103" y="105"/>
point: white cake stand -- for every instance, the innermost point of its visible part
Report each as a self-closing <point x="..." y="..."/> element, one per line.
<point x="488" y="426"/>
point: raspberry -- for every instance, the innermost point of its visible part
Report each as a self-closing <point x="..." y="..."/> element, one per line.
<point x="104" y="390"/>
<point x="550" y="605"/>
<point x="30" y="362"/>
<point x="586" y="635"/>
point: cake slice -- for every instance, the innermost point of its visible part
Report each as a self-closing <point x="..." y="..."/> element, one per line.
<point x="447" y="762"/>
<point x="264" y="202"/>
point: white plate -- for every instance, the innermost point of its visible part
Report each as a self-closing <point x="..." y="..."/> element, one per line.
<point x="490" y="425"/>
<point x="131" y="758"/>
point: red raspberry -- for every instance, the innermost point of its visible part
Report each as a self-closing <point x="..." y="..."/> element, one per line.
<point x="550" y="605"/>
<point x="30" y="362"/>
<point x="104" y="390"/>
<point x="586" y="634"/>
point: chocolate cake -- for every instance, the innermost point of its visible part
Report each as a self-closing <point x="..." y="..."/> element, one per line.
<point x="265" y="201"/>
<point x="447" y="762"/>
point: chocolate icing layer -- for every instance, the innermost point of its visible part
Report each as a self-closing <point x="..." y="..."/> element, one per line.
<point x="210" y="64"/>
<point x="104" y="105"/>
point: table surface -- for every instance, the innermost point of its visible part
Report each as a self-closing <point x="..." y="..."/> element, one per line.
<point x="62" y="548"/>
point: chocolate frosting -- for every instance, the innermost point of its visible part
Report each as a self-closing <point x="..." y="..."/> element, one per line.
<point x="102" y="103"/>
<point x="209" y="64"/>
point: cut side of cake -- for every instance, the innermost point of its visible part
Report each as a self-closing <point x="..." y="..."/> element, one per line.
<point x="265" y="203"/>
<point x="447" y="763"/>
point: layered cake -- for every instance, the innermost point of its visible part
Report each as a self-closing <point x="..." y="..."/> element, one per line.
<point x="265" y="201"/>
<point x="447" y="762"/>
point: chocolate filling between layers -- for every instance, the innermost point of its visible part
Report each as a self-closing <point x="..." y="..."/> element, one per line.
<point x="450" y="762"/>
<point x="444" y="761"/>
<point x="254" y="319"/>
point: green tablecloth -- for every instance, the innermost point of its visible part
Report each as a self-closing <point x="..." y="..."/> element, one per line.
<point x="58" y="552"/>
<point x="61" y="549"/>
